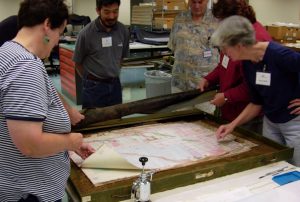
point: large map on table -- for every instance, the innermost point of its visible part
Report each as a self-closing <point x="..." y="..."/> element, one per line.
<point x="166" y="145"/>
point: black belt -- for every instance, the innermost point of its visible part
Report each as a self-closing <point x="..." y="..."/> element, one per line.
<point x="106" y="80"/>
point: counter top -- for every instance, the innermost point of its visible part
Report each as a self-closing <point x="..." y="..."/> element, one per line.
<point x="243" y="186"/>
<point x="67" y="46"/>
<point x="132" y="46"/>
<point x="293" y="46"/>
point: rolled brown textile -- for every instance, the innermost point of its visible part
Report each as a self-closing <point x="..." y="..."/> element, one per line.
<point x="145" y="106"/>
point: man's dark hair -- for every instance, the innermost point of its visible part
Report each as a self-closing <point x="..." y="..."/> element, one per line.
<point x="100" y="3"/>
<point x="34" y="12"/>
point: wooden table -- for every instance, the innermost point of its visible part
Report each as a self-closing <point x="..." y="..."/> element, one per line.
<point x="81" y="189"/>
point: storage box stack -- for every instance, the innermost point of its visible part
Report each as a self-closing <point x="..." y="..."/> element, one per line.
<point x="166" y="11"/>
<point x="284" y="34"/>
<point x="171" y="5"/>
<point x="165" y="23"/>
<point x="142" y="15"/>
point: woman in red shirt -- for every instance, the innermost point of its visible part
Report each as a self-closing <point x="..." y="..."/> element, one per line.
<point x="233" y="95"/>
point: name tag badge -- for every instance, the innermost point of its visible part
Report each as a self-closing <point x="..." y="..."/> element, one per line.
<point x="263" y="79"/>
<point x="207" y="54"/>
<point x="225" y="61"/>
<point x="106" y="42"/>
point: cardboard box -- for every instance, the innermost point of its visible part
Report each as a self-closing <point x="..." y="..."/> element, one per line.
<point x="165" y="14"/>
<point x="290" y="35"/>
<point x="298" y="33"/>
<point x="165" y="23"/>
<point x="276" y="32"/>
<point x="283" y="33"/>
<point x="171" y="5"/>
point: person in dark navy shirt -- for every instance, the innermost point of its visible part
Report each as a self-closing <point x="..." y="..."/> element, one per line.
<point x="271" y="71"/>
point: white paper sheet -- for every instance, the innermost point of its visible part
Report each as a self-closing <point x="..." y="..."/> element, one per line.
<point x="165" y="145"/>
<point x="106" y="157"/>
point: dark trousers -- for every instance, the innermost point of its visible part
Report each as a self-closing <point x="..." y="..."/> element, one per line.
<point x="101" y="93"/>
<point x="32" y="198"/>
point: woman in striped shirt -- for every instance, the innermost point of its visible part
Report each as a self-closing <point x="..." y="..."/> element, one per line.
<point x="35" y="126"/>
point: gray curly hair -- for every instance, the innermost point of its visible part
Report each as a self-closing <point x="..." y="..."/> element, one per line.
<point x="234" y="30"/>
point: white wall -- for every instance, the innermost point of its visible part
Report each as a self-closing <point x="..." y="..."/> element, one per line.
<point x="269" y="11"/>
<point x="88" y="7"/>
<point x="8" y="8"/>
<point x="80" y="7"/>
<point x="11" y="7"/>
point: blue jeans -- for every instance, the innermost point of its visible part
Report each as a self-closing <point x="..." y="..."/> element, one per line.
<point x="286" y="134"/>
<point x="101" y="94"/>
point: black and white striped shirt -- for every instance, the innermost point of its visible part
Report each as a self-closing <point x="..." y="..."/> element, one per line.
<point x="27" y="93"/>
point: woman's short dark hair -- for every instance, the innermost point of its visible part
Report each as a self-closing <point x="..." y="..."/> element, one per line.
<point x="34" y="12"/>
<point x="225" y="8"/>
<point x="100" y="3"/>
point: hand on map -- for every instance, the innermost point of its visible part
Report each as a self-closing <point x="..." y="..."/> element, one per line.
<point x="218" y="100"/>
<point x="224" y="130"/>
<point x="85" y="150"/>
<point x="203" y="84"/>
<point x="75" y="116"/>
